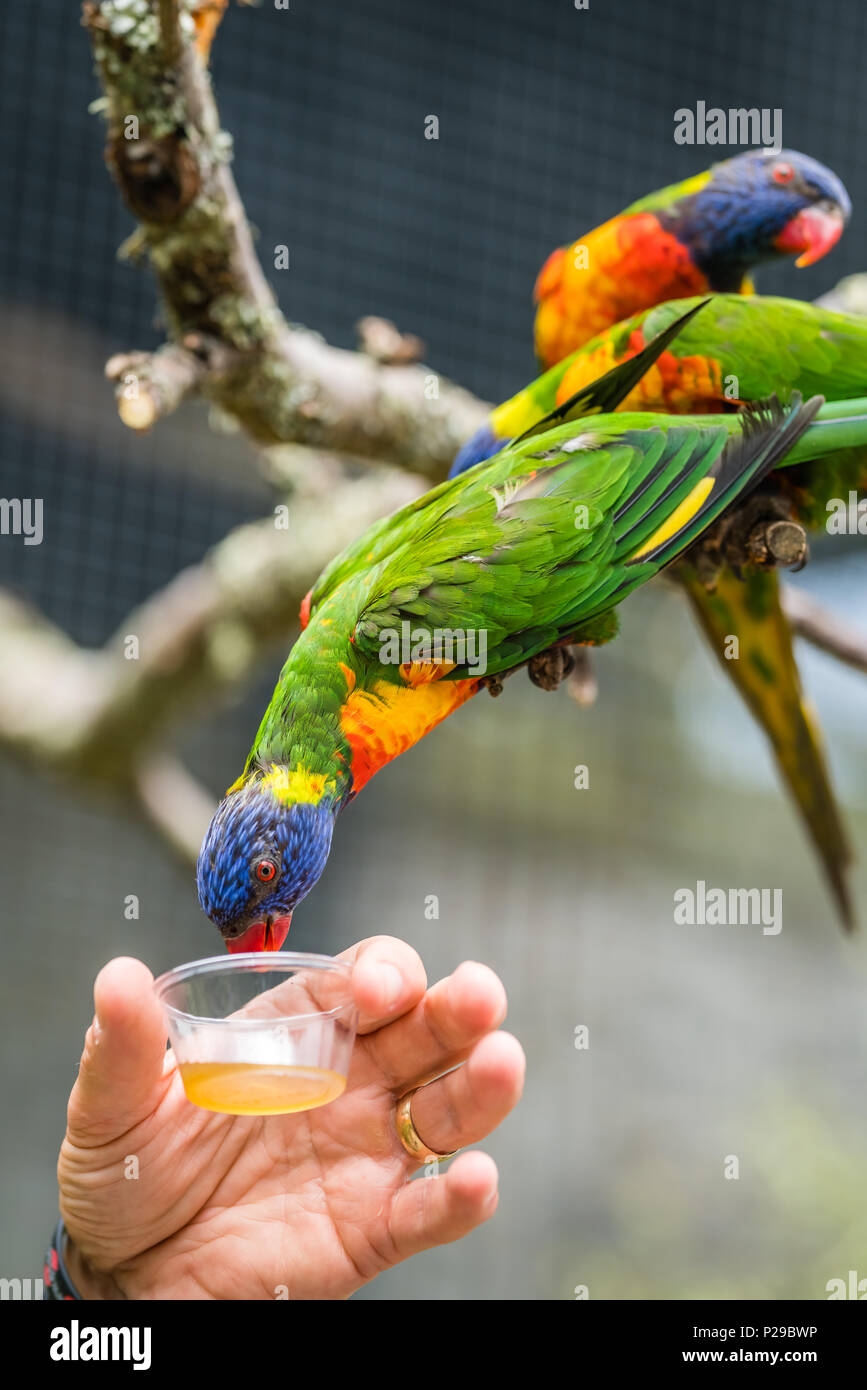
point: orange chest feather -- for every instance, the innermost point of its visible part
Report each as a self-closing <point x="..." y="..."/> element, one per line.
<point x="627" y="264"/>
<point x="677" y="384"/>
<point x="380" y="723"/>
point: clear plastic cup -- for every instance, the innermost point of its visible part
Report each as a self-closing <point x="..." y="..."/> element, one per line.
<point x="261" y="1033"/>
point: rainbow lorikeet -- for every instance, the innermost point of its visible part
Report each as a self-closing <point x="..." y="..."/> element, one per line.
<point x="534" y="548"/>
<point x="742" y="349"/>
<point x="704" y="234"/>
<point x="738" y="349"/>
<point x="708" y="232"/>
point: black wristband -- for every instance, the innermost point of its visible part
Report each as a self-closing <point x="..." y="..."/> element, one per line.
<point x="57" y="1283"/>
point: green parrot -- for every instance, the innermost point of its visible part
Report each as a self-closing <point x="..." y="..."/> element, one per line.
<point x="738" y="349"/>
<point x="483" y="574"/>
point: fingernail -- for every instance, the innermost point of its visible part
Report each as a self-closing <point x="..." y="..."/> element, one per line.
<point x="391" y="984"/>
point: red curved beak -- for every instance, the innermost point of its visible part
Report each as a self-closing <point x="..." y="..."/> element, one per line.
<point x="262" y="936"/>
<point x="812" y="232"/>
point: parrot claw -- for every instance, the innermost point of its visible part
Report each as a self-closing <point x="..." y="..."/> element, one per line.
<point x="549" y="668"/>
<point x="494" y="685"/>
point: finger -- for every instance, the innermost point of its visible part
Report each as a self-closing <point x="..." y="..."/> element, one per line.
<point x="441" y="1029"/>
<point x="388" y="979"/>
<point x="434" y="1211"/>
<point x="120" y="1076"/>
<point x="463" y="1107"/>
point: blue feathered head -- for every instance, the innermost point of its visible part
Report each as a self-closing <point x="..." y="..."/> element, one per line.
<point x="756" y="207"/>
<point x="263" y="852"/>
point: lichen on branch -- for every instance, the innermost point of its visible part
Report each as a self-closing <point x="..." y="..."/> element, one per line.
<point x="171" y="160"/>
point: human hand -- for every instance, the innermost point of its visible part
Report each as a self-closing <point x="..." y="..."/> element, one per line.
<point x="306" y="1206"/>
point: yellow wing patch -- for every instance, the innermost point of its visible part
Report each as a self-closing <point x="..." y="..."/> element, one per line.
<point x="679" y="517"/>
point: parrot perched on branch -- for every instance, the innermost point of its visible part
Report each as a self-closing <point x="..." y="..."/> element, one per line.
<point x="738" y="349"/>
<point x="535" y="548"/>
<point x="741" y="349"/>
<point x="707" y="233"/>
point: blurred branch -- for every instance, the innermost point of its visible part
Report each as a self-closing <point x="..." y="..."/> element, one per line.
<point x="170" y="159"/>
<point x="815" y="624"/>
<point x="176" y="805"/>
<point x="380" y="339"/>
<point x="847" y="297"/>
<point x="98" y="717"/>
<point x="153" y="384"/>
<point x="170" y="31"/>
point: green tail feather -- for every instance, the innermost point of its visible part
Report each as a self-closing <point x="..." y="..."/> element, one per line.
<point x="838" y="425"/>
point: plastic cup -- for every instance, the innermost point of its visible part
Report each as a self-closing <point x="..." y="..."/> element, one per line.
<point x="260" y="1033"/>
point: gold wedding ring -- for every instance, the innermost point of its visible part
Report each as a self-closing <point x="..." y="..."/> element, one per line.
<point x="409" y="1135"/>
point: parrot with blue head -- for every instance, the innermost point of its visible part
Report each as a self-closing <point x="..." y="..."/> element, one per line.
<point x="708" y="233"/>
<point x="705" y="234"/>
<point x="496" y="551"/>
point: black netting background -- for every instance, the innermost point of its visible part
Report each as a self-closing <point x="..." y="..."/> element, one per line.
<point x="551" y="119"/>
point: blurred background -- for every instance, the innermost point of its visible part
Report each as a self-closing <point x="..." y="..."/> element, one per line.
<point x="704" y="1041"/>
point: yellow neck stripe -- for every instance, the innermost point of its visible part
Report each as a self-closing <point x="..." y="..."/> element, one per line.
<point x="291" y="786"/>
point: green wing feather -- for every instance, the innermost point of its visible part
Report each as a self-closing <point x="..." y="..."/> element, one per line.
<point x="761" y="345"/>
<point x="500" y="549"/>
<point x="758" y="346"/>
<point x="606" y="393"/>
<point x="769" y="344"/>
<point x="602" y="395"/>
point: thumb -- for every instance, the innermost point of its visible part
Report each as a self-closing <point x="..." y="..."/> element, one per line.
<point x="121" y="1069"/>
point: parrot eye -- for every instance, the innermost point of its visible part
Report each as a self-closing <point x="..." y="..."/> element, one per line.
<point x="266" y="870"/>
<point x="782" y="173"/>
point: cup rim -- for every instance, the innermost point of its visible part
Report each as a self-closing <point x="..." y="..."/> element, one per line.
<point x="244" y="960"/>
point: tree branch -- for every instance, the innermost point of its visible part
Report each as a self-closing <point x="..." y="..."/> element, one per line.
<point x="175" y="804"/>
<point x="847" y="297"/>
<point x="95" y="716"/>
<point x="815" y="624"/>
<point x="170" y="32"/>
<point x="99" y="716"/>
<point x="150" y="385"/>
<point x="171" y="162"/>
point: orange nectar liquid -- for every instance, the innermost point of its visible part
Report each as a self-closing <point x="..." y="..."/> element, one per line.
<point x="254" y="1088"/>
